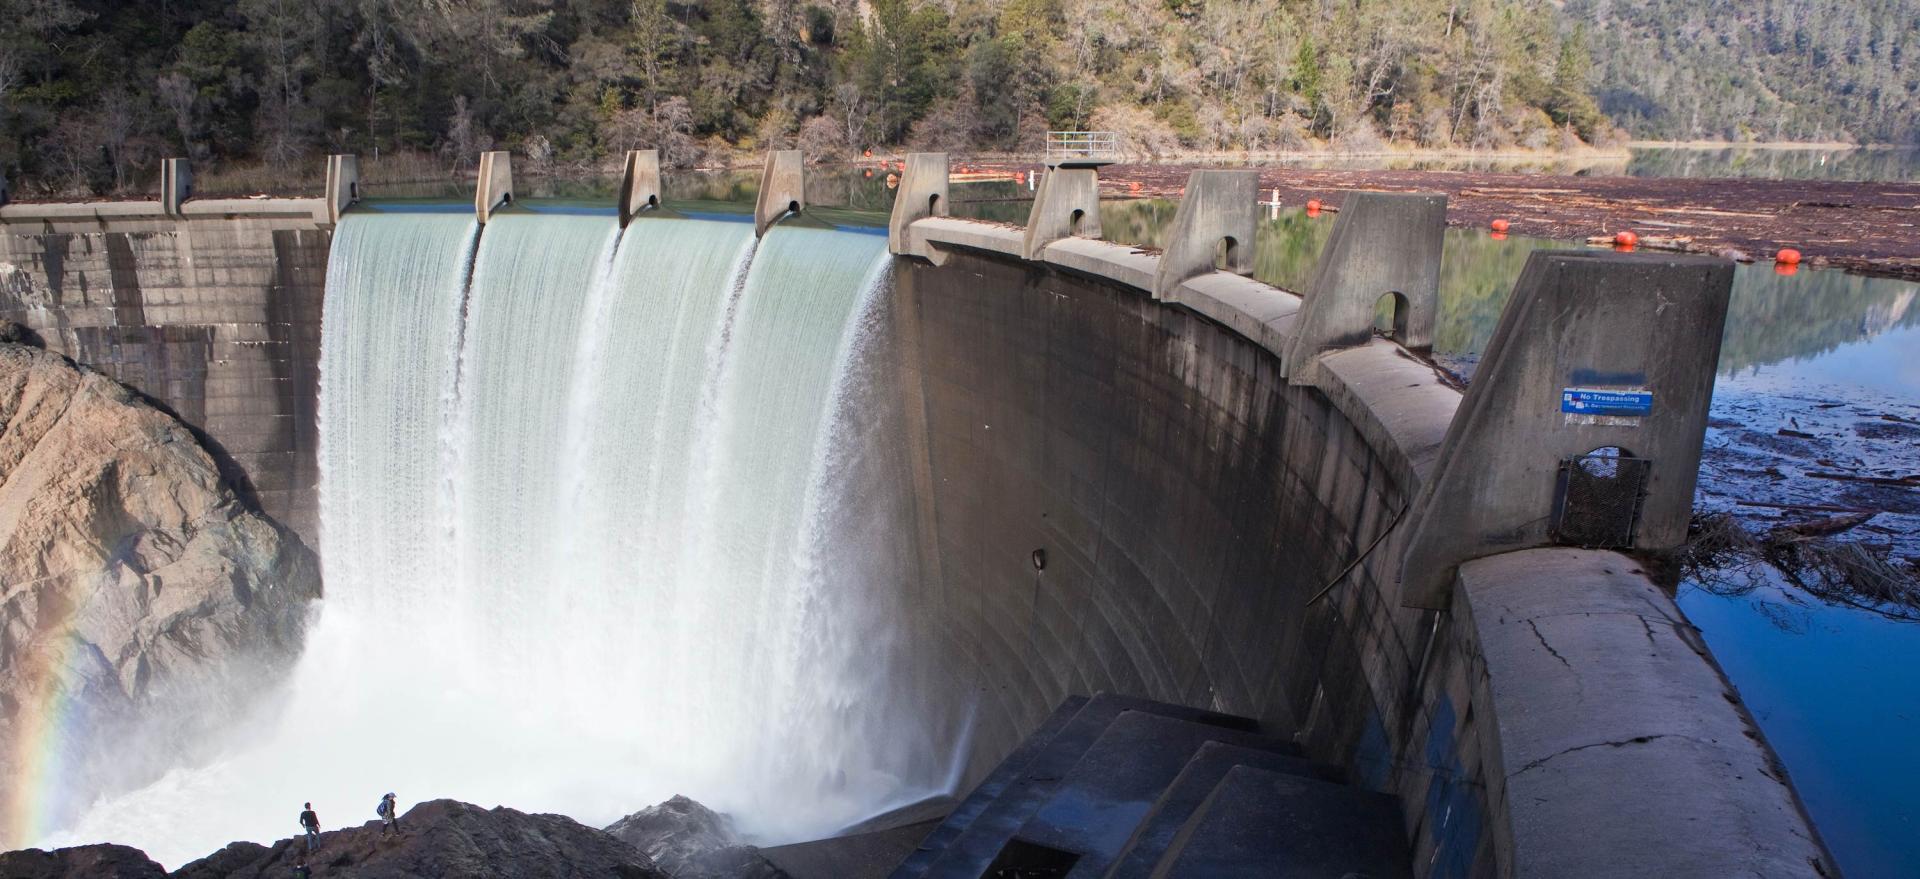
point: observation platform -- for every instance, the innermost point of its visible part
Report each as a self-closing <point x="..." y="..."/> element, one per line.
<point x="1082" y="149"/>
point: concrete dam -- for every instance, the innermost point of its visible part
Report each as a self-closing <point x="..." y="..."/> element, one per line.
<point x="812" y="522"/>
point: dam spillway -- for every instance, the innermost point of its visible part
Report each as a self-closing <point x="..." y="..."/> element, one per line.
<point x="1097" y="482"/>
<point x="572" y="509"/>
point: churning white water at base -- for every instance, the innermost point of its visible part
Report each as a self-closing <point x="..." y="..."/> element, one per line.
<point x="573" y="517"/>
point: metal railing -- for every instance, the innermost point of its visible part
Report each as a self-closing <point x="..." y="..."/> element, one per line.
<point x="1097" y="146"/>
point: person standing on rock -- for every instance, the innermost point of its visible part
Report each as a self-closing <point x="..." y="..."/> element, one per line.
<point x="389" y="814"/>
<point x="310" y="822"/>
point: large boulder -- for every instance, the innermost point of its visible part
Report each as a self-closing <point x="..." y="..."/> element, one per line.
<point x="691" y="841"/>
<point x="438" y="839"/>
<point x="141" y="601"/>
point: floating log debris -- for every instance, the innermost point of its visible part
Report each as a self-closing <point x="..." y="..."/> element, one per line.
<point x="1870" y="228"/>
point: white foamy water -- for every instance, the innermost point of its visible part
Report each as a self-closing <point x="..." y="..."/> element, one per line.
<point x="573" y="528"/>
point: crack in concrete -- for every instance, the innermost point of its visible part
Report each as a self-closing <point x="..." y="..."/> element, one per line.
<point x="1636" y="740"/>
<point x="1543" y="643"/>
<point x="1649" y="627"/>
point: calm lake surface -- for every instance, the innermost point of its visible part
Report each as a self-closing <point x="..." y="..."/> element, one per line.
<point x="1835" y="688"/>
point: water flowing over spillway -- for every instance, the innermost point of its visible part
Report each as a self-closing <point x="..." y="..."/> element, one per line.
<point x="573" y="524"/>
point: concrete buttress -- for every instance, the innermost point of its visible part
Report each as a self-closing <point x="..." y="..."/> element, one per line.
<point x="923" y="194"/>
<point x="176" y="185"/>
<point x="495" y="187"/>
<point x="1595" y="352"/>
<point x="1383" y="243"/>
<point x="1066" y="205"/>
<point x="782" y="189"/>
<point x="343" y="185"/>
<point x="640" y="184"/>
<point x="1219" y="210"/>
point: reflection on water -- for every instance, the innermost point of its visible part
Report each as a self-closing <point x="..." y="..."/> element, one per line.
<point x="1791" y="164"/>
<point x="1838" y="694"/>
<point x="1813" y="317"/>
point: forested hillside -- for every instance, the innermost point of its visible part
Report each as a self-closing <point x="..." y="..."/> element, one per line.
<point x="1757" y="69"/>
<point x="93" y="92"/>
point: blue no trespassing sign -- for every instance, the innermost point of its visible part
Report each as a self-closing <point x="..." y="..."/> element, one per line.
<point x="1599" y="401"/>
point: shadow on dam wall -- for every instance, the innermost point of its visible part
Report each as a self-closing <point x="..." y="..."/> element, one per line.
<point x="213" y="314"/>
<point x="1119" y="482"/>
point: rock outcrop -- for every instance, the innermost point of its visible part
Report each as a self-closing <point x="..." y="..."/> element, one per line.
<point x="141" y="601"/>
<point x="441" y="838"/>
<point x="691" y="841"/>
<point x="80" y="862"/>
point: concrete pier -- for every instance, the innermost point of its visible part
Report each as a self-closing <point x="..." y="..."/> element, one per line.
<point x="176" y="185"/>
<point x="343" y="185"/>
<point x="1066" y="205"/>
<point x="783" y="189"/>
<point x="494" y="189"/>
<point x="1384" y="244"/>
<point x="1595" y="352"/>
<point x="1213" y="229"/>
<point x="639" y="184"/>
<point x="923" y="193"/>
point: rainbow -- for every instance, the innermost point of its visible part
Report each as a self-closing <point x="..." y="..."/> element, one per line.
<point x="40" y="789"/>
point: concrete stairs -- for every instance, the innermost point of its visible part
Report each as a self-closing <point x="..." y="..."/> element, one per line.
<point x="1112" y="786"/>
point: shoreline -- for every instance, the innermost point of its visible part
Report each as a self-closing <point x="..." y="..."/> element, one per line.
<point x="1782" y="145"/>
<point x="1868" y="228"/>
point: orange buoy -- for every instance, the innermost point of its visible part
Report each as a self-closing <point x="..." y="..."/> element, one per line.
<point x="1019" y="176"/>
<point x="867" y="153"/>
<point x="1499" y="226"/>
<point x="1625" y="239"/>
<point x="1313" y="206"/>
<point x="1787" y="257"/>
<point x="1133" y="186"/>
<point x="869" y="172"/>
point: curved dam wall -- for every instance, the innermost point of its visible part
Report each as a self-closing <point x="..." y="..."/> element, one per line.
<point x="1116" y="477"/>
<point x="1192" y="504"/>
<point x="211" y="311"/>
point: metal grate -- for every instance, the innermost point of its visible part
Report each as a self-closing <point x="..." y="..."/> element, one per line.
<point x="1599" y="499"/>
<point x="1082" y="146"/>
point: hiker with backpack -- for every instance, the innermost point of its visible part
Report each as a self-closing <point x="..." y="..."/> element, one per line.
<point x="389" y="814"/>
<point x="310" y="822"/>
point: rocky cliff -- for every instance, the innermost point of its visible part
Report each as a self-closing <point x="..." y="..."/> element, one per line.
<point x="141" y="602"/>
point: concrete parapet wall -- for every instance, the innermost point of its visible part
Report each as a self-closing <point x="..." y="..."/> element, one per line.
<point x="1600" y="684"/>
<point x="214" y="314"/>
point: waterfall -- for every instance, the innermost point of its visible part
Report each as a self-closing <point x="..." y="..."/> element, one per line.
<point x="576" y="488"/>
